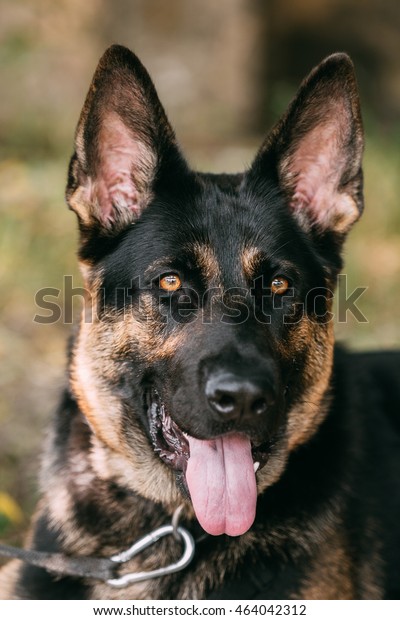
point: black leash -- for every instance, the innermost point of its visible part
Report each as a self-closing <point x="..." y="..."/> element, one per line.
<point x="95" y="568"/>
<point x="106" y="569"/>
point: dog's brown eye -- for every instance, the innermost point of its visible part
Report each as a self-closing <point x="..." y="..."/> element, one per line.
<point x="170" y="283"/>
<point x="279" y="285"/>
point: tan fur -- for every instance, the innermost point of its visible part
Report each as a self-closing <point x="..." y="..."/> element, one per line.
<point x="91" y="368"/>
<point x="251" y="259"/>
<point x="208" y="263"/>
<point x="8" y="580"/>
<point x="306" y="417"/>
<point x="330" y="574"/>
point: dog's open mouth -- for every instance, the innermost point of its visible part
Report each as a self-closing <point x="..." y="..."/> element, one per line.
<point x="219" y="473"/>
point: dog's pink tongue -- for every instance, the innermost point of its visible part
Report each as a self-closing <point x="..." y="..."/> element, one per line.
<point x="222" y="484"/>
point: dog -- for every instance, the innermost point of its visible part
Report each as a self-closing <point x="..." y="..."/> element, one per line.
<point x="204" y="375"/>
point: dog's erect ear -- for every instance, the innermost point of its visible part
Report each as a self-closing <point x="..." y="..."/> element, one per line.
<point x="123" y="141"/>
<point x="316" y="149"/>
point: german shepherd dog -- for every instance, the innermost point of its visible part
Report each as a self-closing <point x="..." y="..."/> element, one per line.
<point x="204" y="372"/>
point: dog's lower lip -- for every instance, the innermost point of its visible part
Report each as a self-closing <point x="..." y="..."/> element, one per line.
<point x="168" y="440"/>
<point x="171" y="443"/>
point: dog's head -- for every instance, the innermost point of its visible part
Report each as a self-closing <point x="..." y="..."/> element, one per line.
<point x="206" y="351"/>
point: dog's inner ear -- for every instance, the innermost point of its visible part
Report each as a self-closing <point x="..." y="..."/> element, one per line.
<point x="125" y="170"/>
<point x="318" y="173"/>
<point x="123" y="140"/>
<point x="318" y="148"/>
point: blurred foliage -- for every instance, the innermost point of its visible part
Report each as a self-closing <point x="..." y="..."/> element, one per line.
<point x="36" y="247"/>
<point x="10" y="512"/>
<point x="372" y="251"/>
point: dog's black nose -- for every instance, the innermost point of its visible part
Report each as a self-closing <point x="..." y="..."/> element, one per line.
<point x="233" y="397"/>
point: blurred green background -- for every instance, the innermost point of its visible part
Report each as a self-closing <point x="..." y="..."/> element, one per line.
<point x="224" y="71"/>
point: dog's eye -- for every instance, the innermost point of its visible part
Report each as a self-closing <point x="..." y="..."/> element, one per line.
<point x="279" y="285"/>
<point x="170" y="282"/>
